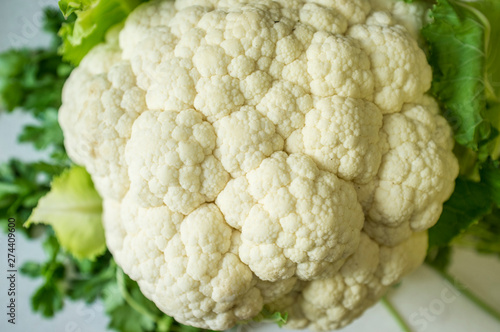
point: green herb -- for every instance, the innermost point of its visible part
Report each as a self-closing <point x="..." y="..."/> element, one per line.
<point x="32" y="81"/>
<point x="49" y="297"/>
<point x="21" y="186"/>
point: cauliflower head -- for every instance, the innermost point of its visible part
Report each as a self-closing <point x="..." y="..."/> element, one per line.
<point x="251" y="153"/>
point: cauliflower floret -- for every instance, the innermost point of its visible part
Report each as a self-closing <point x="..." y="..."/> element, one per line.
<point x="262" y="153"/>
<point x="415" y="176"/>
<point x="245" y="139"/>
<point x="294" y="216"/>
<point x="354" y="11"/>
<point x="399" y="66"/>
<point x="332" y="303"/>
<point x="173" y="164"/>
<point x="338" y="66"/>
<point x="178" y="260"/>
<point x="286" y="104"/>
<point x="340" y="135"/>
<point x="411" y="15"/>
<point x="102" y="101"/>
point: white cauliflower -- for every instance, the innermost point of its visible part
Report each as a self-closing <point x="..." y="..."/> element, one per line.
<point x="251" y="153"/>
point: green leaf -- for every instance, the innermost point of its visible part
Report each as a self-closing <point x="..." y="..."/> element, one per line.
<point x="488" y="12"/>
<point x="93" y="19"/>
<point x="12" y="62"/>
<point x="439" y="257"/>
<point x="135" y="312"/>
<point x="93" y="278"/>
<point x="490" y="175"/>
<point x="462" y="42"/>
<point x="470" y="215"/>
<point x="123" y="318"/>
<point x="457" y="55"/>
<point x="29" y="78"/>
<point x="11" y="93"/>
<point x="73" y="208"/>
<point x="69" y="7"/>
<point x="469" y="202"/>
<point x="47" y="133"/>
<point x="31" y="269"/>
<point x="483" y="236"/>
<point x="21" y="185"/>
<point x="270" y="316"/>
<point x="48" y="299"/>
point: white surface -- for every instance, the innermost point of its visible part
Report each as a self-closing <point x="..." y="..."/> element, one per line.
<point x="426" y="301"/>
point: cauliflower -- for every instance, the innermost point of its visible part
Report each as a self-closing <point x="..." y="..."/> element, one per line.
<point x="251" y="153"/>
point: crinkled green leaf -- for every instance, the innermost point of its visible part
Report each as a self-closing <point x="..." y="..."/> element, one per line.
<point x="483" y="236"/>
<point x="68" y="7"/>
<point x="32" y="79"/>
<point x="469" y="202"/>
<point x="31" y="269"/>
<point x="134" y="312"/>
<point x="488" y="13"/>
<point x="456" y="45"/>
<point x="48" y="299"/>
<point x="94" y="276"/>
<point x="463" y="48"/>
<point x="47" y="133"/>
<point x="93" y="19"/>
<point x="468" y="206"/>
<point x="73" y="208"/>
<point x="439" y="257"/>
<point x="12" y="62"/>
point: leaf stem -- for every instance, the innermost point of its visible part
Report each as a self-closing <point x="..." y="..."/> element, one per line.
<point x="463" y="289"/>
<point x="130" y="301"/>
<point x="396" y="315"/>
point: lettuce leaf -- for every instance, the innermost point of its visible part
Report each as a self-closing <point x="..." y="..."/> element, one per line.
<point x="90" y="21"/>
<point x="73" y="208"/>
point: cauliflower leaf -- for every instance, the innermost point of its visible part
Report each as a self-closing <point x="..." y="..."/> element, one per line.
<point x="73" y="208"/>
<point x="458" y="80"/>
<point x="268" y="315"/>
<point x="93" y="19"/>
<point x="461" y="39"/>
